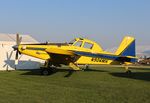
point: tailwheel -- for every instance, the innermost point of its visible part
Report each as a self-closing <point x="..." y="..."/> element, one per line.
<point x="128" y="72"/>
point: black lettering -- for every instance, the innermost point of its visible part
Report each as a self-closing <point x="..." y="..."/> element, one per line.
<point x="99" y="60"/>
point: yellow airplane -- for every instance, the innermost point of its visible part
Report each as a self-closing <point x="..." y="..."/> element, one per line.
<point x="80" y="51"/>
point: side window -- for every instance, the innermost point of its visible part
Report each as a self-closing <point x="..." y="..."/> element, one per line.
<point x="78" y="43"/>
<point x="88" y="45"/>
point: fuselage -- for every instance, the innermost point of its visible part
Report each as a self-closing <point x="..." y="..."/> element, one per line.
<point x="78" y="45"/>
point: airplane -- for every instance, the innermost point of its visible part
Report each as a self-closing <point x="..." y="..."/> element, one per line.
<point x="80" y="51"/>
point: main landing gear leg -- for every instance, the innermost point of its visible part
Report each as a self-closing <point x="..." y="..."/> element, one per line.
<point x="127" y="70"/>
<point x="86" y="67"/>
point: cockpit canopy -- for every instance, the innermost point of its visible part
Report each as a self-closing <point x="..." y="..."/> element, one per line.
<point x="85" y="43"/>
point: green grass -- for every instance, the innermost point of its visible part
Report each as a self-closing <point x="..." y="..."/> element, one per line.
<point x="98" y="85"/>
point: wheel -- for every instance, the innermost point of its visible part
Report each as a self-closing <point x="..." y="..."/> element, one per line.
<point x="128" y="72"/>
<point x="45" y="72"/>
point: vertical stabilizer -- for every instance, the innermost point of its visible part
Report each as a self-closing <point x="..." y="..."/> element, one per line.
<point x="127" y="47"/>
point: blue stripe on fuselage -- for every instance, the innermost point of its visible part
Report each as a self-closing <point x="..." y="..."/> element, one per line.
<point x="96" y="55"/>
<point x="106" y="56"/>
<point x="130" y="50"/>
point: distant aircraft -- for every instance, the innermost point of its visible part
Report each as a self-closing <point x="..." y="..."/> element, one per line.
<point x="80" y="51"/>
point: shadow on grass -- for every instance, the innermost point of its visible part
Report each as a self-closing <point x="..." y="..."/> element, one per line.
<point x="94" y="70"/>
<point x="38" y="72"/>
<point x="147" y="69"/>
<point x="134" y="75"/>
<point x="31" y="72"/>
<point x="68" y="71"/>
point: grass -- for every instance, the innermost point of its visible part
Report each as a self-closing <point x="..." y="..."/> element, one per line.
<point x="97" y="85"/>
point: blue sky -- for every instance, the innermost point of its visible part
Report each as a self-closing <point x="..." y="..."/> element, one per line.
<point x="105" y="21"/>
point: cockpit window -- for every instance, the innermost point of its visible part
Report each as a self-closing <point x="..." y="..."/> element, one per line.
<point x="72" y="41"/>
<point x="78" y="43"/>
<point x="88" y="45"/>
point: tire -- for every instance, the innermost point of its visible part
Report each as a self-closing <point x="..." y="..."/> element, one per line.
<point x="45" y="72"/>
<point x="128" y="72"/>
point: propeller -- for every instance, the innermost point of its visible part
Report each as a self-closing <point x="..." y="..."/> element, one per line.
<point x="15" y="47"/>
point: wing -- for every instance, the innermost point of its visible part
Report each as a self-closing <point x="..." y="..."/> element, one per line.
<point x="60" y="56"/>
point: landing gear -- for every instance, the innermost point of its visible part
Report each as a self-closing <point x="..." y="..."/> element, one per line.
<point x="86" y="66"/>
<point x="127" y="70"/>
<point x="45" y="72"/>
<point x="47" y="69"/>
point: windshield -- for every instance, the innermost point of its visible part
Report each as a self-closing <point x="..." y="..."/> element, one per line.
<point x="78" y="44"/>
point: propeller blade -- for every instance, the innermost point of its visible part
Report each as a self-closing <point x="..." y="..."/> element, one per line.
<point x="16" y="55"/>
<point x="17" y="39"/>
<point x="20" y="57"/>
<point x="20" y="39"/>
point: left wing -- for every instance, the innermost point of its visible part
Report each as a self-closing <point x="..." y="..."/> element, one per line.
<point x="60" y="56"/>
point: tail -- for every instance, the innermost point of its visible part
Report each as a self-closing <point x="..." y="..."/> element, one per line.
<point x="127" y="47"/>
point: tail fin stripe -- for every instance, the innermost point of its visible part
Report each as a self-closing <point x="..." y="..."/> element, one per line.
<point x="130" y="50"/>
<point x="127" y="47"/>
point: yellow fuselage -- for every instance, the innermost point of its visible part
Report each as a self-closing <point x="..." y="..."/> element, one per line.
<point x="41" y="51"/>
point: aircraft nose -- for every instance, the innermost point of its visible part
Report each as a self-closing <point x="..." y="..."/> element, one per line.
<point x="15" y="47"/>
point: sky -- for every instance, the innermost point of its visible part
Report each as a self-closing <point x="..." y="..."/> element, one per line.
<point x="104" y="21"/>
